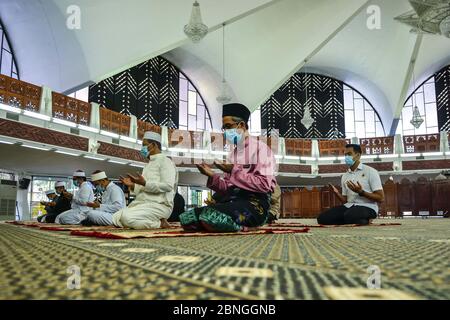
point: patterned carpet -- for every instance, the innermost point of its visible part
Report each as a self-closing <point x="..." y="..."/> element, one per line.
<point x="413" y="258"/>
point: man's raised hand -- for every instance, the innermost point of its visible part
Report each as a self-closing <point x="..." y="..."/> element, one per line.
<point x="205" y="169"/>
<point x="138" y="178"/>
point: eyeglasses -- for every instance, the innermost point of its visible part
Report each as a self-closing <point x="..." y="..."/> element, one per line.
<point x="229" y="126"/>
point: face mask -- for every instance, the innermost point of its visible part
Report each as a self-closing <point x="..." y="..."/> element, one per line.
<point x="144" y="152"/>
<point x="233" y="136"/>
<point x="349" y="161"/>
<point x="100" y="188"/>
<point x="76" y="183"/>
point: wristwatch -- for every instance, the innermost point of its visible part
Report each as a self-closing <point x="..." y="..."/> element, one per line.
<point x="361" y="194"/>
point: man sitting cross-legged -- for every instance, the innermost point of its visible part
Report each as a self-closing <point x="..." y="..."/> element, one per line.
<point x="155" y="189"/>
<point x="58" y="204"/>
<point x="113" y="199"/>
<point x="79" y="200"/>
<point x="247" y="183"/>
<point x="361" y="192"/>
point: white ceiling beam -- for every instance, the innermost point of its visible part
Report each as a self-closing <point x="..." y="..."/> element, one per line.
<point x="177" y="44"/>
<point x="314" y="52"/>
<point x="406" y="82"/>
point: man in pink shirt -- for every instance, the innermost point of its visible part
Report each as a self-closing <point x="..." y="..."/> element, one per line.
<point x="245" y="187"/>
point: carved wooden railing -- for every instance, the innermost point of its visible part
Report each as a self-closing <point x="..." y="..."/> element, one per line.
<point x="329" y="148"/>
<point x="71" y="109"/>
<point x="185" y="139"/>
<point x="217" y="141"/>
<point x="144" y="126"/>
<point x="20" y="94"/>
<point x="298" y="147"/>
<point x="422" y="143"/>
<point x="114" y="122"/>
<point x="382" y="145"/>
<point x="27" y="96"/>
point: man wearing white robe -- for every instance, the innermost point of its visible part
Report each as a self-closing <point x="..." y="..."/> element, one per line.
<point x="80" y="199"/>
<point x="113" y="199"/>
<point x="155" y="189"/>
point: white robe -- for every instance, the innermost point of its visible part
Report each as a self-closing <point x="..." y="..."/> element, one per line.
<point x="113" y="199"/>
<point x="154" y="201"/>
<point x="79" y="209"/>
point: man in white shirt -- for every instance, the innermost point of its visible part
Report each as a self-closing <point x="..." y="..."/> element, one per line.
<point x="155" y="189"/>
<point x="361" y="192"/>
<point x="113" y="199"/>
<point x="79" y="200"/>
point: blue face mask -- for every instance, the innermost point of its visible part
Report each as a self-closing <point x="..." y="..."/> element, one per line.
<point x="76" y="183"/>
<point x="100" y="188"/>
<point x="233" y="136"/>
<point x="349" y="161"/>
<point x="144" y="152"/>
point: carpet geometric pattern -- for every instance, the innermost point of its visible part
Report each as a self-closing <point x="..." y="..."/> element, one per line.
<point x="413" y="258"/>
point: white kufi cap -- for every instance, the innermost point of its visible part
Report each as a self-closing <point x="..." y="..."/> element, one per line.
<point x="154" y="136"/>
<point x="79" y="174"/>
<point x="99" y="176"/>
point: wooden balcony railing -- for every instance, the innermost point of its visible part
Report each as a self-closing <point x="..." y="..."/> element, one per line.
<point x="217" y="141"/>
<point x="27" y="96"/>
<point x="20" y="94"/>
<point x="114" y="122"/>
<point x="185" y="139"/>
<point x="70" y="109"/>
<point x="330" y="148"/>
<point x="298" y="147"/>
<point x="382" y="145"/>
<point x="144" y="126"/>
<point x="422" y="143"/>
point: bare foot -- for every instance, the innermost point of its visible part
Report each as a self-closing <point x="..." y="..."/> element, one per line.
<point x="164" y="224"/>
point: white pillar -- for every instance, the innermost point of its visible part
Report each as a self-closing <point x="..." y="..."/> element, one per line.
<point x="206" y="141"/>
<point x="281" y="146"/>
<point x="355" y="140"/>
<point x="95" y="115"/>
<point x="23" y="204"/>
<point x="45" y="106"/>
<point x="164" y="138"/>
<point x="93" y="145"/>
<point x="444" y="142"/>
<point x="133" y="127"/>
<point x="398" y="144"/>
<point x="315" y="152"/>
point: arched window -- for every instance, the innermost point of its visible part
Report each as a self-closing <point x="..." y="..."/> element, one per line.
<point x="361" y="119"/>
<point x="425" y="99"/>
<point x="194" y="114"/>
<point x="337" y="109"/>
<point x="8" y="64"/>
<point x="254" y="123"/>
<point x="155" y="91"/>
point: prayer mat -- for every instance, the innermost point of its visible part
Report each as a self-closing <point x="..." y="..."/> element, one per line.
<point x="294" y="225"/>
<point x="412" y="258"/>
<point x="157" y="233"/>
<point x="72" y="227"/>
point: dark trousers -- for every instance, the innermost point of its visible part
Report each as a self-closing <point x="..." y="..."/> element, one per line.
<point x="344" y="215"/>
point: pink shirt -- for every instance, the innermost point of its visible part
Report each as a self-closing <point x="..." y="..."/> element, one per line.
<point x="254" y="169"/>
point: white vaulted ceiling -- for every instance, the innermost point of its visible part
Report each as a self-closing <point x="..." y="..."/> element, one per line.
<point x="114" y="34"/>
<point x="266" y="42"/>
